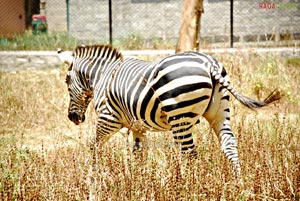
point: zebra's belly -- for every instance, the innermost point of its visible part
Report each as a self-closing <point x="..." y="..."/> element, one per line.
<point x="141" y="126"/>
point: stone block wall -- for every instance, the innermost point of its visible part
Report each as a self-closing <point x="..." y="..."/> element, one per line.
<point x="253" y="20"/>
<point x="56" y="12"/>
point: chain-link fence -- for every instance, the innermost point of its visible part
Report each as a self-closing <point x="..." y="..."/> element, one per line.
<point x="151" y="23"/>
<point x="135" y="22"/>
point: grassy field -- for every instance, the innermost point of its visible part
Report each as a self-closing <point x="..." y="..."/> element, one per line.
<point x="43" y="156"/>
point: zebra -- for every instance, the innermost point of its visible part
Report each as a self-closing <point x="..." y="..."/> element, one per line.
<point x="167" y="95"/>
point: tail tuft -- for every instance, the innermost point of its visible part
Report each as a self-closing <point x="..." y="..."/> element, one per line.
<point x="253" y="104"/>
<point x="274" y="96"/>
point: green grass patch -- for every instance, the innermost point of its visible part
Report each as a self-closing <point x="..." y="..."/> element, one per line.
<point x="53" y="41"/>
<point x="43" y="41"/>
<point x="293" y="62"/>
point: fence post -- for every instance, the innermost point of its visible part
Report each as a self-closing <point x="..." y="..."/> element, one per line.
<point x="231" y="23"/>
<point x="110" y="21"/>
<point x="68" y="16"/>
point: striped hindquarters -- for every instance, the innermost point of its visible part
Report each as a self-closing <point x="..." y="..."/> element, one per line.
<point x="178" y="87"/>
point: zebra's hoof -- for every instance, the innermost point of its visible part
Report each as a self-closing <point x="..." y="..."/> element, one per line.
<point x="137" y="149"/>
<point x="193" y="154"/>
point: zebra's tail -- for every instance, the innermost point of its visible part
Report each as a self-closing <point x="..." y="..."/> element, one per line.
<point x="247" y="101"/>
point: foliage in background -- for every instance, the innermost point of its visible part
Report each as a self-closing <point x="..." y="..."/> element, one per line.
<point x="133" y="41"/>
<point x="43" y="41"/>
<point x="52" y="41"/>
<point x="44" y="156"/>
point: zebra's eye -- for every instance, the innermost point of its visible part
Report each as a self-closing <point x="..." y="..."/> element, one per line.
<point x="70" y="67"/>
<point x="68" y="79"/>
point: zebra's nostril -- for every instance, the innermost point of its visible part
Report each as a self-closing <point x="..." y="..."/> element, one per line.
<point x="73" y="116"/>
<point x="76" y="118"/>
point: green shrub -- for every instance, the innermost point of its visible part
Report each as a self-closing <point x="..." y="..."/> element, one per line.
<point x="43" y="41"/>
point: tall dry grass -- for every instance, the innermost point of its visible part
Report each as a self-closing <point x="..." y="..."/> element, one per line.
<point x="43" y="156"/>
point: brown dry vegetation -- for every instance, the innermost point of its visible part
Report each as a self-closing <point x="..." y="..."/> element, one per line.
<point x="43" y="156"/>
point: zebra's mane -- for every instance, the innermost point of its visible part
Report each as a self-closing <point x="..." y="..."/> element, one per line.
<point x="92" y="51"/>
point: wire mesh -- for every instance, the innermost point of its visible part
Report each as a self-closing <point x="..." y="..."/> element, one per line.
<point x="155" y="24"/>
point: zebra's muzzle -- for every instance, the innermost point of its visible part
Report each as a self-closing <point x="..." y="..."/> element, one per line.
<point x="76" y="118"/>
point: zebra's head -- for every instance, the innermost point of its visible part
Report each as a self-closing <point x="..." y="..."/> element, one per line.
<point x="80" y="97"/>
<point x="80" y="94"/>
<point x="79" y="77"/>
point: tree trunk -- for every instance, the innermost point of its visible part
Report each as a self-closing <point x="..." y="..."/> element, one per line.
<point x="190" y="26"/>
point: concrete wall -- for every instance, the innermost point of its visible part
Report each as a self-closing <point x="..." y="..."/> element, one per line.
<point x="252" y="22"/>
<point x="162" y="19"/>
<point x="277" y="23"/>
<point x="151" y="20"/>
<point x="56" y="15"/>
<point x="89" y="22"/>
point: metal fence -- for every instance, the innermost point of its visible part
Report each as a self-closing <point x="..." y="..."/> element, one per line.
<point x="132" y="21"/>
<point x="151" y="23"/>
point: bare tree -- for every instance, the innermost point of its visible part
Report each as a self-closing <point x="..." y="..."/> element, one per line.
<point x="190" y="26"/>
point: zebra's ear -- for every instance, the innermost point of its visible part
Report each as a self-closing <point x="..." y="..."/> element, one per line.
<point x="65" y="57"/>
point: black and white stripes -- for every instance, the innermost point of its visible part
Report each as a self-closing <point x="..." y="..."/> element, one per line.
<point x="168" y="95"/>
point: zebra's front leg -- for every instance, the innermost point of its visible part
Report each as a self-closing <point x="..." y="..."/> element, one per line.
<point x="107" y="125"/>
<point x="139" y="140"/>
<point x="138" y="133"/>
<point x="182" y="134"/>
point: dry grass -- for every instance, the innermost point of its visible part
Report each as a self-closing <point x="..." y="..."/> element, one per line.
<point x="43" y="156"/>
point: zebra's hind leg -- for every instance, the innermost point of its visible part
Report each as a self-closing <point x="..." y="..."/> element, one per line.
<point x="228" y="144"/>
<point x="219" y="119"/>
